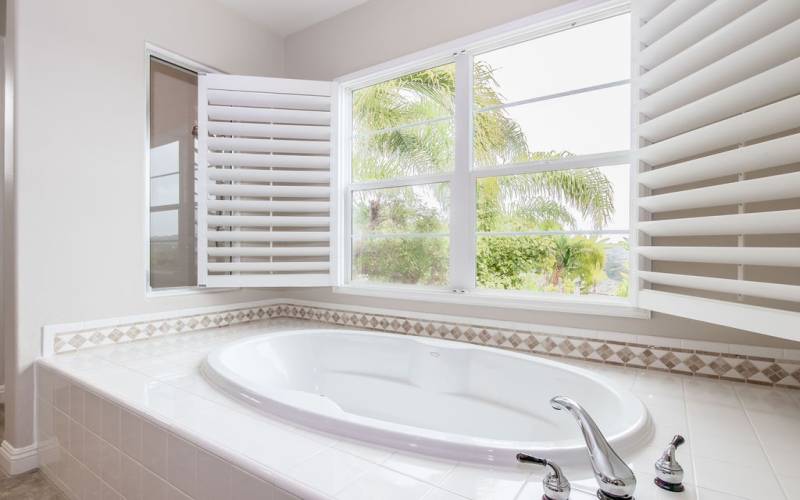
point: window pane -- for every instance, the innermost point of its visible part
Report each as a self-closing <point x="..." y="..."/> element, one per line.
<point x="420" y="260"/>
<point x="415" y="150"/>
<point x="165" y="190"/>
<point x="404" y="127"/>
<point x="400" y="235"/>
<point x="580" y="57"/>
<point x="591" y="122"/>
<point x="410" y="209"/>
<point x="560" y="200"/>
<point x="412" y="98"/>
<point x="563" y="264"/>
<point x="172" y="113"/>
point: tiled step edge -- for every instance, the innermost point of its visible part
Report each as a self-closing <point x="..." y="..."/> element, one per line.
<point x="718" y="361"/>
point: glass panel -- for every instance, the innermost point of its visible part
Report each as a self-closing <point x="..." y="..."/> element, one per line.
<point x="409" y="99"/>
<point x="580" y="57"/>
<point x="165" y="190"/>
<point x="559" y="200"/>
<point x="404" y="127"/>
<point x="410" y="209"/>
<point x="563" y="264"/>
<point x="172" y="114"/>
<point x="415" y="150"/>
<point x="591" y="122"/>
<point x="421" y="260"/>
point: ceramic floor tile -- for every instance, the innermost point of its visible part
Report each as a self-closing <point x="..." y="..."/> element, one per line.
<point x="330" y="470"/>
<point x="426" y="469"/>
<point x="29" y="486"/>
<point x="776" y="430"/>
<point x="657" y="383"/>
<point x="766" y="399"/>
<point x="791" y="486"/>
<point x="707" y="494"/>
<point x="738" y="479"/>
<point x="783" y="458"/>
<point x="728" y="449"/>
<point x="479" y="483"/>
<point x="437" y="494"/>
<point x="711" y="391"/>
<point x="717" y="420"/>
<point x="375" y="454"/>
<point x="385" y="484"/>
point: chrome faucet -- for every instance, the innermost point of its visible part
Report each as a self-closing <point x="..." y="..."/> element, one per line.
<point x="669" y="473"/>
<point x="554" y="483"/>
<point x="614" y="478"/>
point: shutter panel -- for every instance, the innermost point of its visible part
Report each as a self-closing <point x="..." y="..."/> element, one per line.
<point x="717" y="145"/>
<point x="264" y="182"/>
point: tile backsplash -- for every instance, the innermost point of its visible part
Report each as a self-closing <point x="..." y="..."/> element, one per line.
<point x="718" y="361"/>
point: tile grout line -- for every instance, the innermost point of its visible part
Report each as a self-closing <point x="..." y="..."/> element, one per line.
<point x="761" y="444"/>
<point x="689" y="427"/>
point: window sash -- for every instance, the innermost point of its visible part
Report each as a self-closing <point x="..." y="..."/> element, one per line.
<point x="463" y="179"/>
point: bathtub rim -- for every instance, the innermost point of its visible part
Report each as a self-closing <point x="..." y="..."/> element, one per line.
<point x="439" y="444"/>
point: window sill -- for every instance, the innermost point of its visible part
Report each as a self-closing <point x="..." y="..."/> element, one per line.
<point x="184" y="290"/>
<point x="599" y="306"/>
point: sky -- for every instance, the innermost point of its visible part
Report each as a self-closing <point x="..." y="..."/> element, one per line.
<point x="593" y="122"/>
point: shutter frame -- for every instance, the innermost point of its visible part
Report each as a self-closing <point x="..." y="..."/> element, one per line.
<point x="708" y="156"/>
<point x="264" y="190"/>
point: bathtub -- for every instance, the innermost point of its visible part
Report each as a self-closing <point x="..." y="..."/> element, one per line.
<point x="438" y="397"/>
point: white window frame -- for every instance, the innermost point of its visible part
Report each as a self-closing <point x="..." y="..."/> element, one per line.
<point x="464" y="176"/>
<point x="152" y="50"/>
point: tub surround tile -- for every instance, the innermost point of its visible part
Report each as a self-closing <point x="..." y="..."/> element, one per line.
<point x="740" y="363"/>
<point x="194" y="444"/>
<point x="330" y="471"/>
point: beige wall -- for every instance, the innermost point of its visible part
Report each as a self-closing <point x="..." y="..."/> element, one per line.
<point x="80" y="132"/>
<point x="381" y="30"/>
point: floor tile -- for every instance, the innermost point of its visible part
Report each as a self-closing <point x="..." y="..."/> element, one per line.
<point x="330" y="471"/>
<point x="426" y="469"/>
<point x="738" y="479"/>
<point x="385" y="484"/>
<point x="481" y="484"/>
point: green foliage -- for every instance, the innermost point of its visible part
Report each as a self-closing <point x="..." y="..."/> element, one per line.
<point x="540" y="263"/>
<point x="419" y="261"/>
<point x="542" y="201"/>
<point x="505" y="262"/>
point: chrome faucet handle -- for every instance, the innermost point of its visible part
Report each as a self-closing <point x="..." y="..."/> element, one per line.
<point x="555" y="483"/>
<point x="669" y="473"/>
<point x="615" y="480"/>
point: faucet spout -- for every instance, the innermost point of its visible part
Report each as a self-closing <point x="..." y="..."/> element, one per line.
<point x="615" y="479"/>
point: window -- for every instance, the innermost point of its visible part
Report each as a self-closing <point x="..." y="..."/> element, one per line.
<point x="517" y="181"/>
<point x="172" y="115"/>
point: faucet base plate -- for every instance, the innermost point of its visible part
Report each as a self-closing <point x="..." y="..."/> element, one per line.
<point x="668" y="486"/>
<point x="601" y="495"/>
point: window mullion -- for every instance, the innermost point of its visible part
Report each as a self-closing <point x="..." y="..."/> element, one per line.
<point x="462" y="190"/>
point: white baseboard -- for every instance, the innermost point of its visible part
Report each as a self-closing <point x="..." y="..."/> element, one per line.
<point x="18" y="460"/>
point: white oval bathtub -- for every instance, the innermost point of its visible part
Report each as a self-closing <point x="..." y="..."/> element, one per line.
<point x="449" y="399"/>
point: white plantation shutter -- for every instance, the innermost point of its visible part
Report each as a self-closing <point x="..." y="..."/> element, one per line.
<point x="264" y="182"/>
<point x="717" y="140"/>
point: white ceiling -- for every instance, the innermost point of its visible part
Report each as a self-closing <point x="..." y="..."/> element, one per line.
<point x="285" y="17"/>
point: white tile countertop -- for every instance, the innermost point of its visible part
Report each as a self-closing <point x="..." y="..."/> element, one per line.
<point x="742" y="440"/>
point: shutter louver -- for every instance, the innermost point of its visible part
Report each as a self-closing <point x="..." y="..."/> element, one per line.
<point x="717" y="144"/>
<point x="264" y="180"/>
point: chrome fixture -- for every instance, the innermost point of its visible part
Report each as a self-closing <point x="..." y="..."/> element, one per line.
<point x="669" y="473"/>
<point x="614" y="478"/>
<point x="555" y="483"/>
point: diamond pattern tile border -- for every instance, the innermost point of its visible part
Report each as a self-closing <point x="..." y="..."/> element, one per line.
<point x="731" y="367"/>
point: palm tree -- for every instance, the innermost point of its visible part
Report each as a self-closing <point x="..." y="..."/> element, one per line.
<point x="387" y="145"/>
<point x="405" y="150"/>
